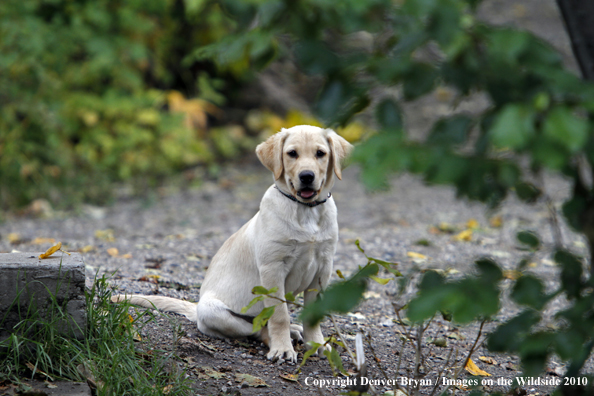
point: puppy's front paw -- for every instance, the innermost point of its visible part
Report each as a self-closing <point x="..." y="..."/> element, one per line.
<point x="286" y="354"/>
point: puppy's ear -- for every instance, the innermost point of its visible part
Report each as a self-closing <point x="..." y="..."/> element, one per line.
<point x="340" y="149"/>
<point x="270" y="153"/>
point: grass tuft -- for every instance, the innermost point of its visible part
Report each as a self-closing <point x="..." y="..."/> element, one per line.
<point x="110" y="356"/>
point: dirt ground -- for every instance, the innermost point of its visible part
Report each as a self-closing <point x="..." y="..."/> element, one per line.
<point x="165" y="244"/>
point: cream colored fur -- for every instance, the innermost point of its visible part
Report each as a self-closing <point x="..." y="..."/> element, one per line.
<point x="286" y="245"/>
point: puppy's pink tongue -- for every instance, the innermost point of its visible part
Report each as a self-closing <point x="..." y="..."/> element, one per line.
<point x="307" y="193"/>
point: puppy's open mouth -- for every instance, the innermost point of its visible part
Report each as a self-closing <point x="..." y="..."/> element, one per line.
<point x="307" y="193"/>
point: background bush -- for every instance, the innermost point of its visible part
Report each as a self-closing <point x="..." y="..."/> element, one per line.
<point x="95" y="91"/>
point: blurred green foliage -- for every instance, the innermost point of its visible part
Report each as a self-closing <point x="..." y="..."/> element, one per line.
<point x="87" y="92"/>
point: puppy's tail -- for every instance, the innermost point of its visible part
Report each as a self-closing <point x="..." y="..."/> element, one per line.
<point x="166" y="304"/>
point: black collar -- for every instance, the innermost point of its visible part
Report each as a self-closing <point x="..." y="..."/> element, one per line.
<point x="310" y="204"/>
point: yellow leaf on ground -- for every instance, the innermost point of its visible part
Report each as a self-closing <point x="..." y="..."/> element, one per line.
<point x="487" y="359"/>
<point x="474" y="370"/>
<point x="417" y="256"/>
<point x="250" y="380"/>
<point x="289" y="377"/>
<point x="447" y="228"/>
<point x="496" y="221"/>
<point x="51" y="251"/>
<point x="106" y="235"/>
<point x="14" y="237"/>
<point x="511" y="274"/>
<point x="87" y="249"/>
<point x="472" y="223"/>
<point x="465" y="235"/>
<point x="113" y="252"/>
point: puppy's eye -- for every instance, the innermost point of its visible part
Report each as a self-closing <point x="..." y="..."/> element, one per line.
<point x="292" y="154"/>
<point x="320" y="154"/>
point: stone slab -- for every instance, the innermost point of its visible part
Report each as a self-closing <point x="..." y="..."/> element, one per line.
<point x="46" y="388"/>
<point x="28" y="285"/>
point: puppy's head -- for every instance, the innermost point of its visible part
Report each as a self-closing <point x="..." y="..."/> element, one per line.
<point x="304" y="160"/>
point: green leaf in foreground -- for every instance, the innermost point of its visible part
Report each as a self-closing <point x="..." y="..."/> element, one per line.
<point x="562" y="126"/>
<point x="530" y="291"/>
<point x="529" y="239"/>
<point x="513" y="127"/>
<point x="262" y="318"/>
<point x="252" y="303"/>
<point x="340" y="297"/>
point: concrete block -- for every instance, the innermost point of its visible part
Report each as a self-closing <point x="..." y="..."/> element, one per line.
<point x="28" y="285"/>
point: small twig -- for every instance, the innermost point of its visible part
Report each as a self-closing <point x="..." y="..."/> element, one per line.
<point x="398" y="366"/>
<point x="377" y="361"/>
<point x="470" y="352"/>
<point x="346" y="346"/>
<point x="285" y="301"/>
<point x="440" y="372"/>
<point x="418" y="356"/>
<point x="553" y="218"/>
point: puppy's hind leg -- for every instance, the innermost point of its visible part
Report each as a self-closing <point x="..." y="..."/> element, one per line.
<point x="216" y="319"/>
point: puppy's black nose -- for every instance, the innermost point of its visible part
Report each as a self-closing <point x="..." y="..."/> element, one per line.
<point x="306" y="177"/>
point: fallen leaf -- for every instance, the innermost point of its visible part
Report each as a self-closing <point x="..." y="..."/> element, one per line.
<point x="447" y="228"/>
<point x="371" y="294"/>
<point x="41" y="241"/>
<point x="14" y="238"/>
<point x="289" y="377"/>
<point x="440" y="342"/>
<point x="465" y="235"/>
<point x="487" y="359"/>
<point x="416" y="256"/>
<point x="51" y="250"/>
<point x="434" y="230"/>
<point x="455" y="336"/>
<point x="357" y="315"/>
<point x="87" y="249"/>
<point x="126" y="256"/>
<point x="206" y="372"/>
<point x="106" y="235"/>
<point x="500" y="254"/>
<point x="250" y="380"/>
<point x="167" y="389"/>
<point x="113" y="252"/>
<point x="50" y="385"/>
<point x="472" y="223"/>
<point x="474" y="370"/>
<point x="496" y="221"/>
<point x="511" y="274"/>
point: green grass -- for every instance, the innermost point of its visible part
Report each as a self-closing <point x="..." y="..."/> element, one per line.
<point x="108" y="355"/>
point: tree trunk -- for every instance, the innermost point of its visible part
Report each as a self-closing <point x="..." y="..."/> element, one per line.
<point x="579" y="22"/>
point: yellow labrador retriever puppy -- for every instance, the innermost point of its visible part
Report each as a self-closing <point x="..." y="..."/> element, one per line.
<point x="289" y="244"/>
